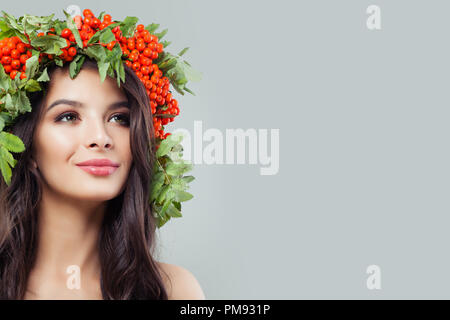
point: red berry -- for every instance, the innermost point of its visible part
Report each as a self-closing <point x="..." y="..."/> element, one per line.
<point x="65" y="33"/>
<point x="72" y="51"/>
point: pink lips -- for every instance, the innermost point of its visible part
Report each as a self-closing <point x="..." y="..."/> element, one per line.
<point x="99" y="167"/>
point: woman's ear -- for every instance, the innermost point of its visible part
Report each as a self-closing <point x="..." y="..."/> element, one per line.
<point x="34" y="163"/>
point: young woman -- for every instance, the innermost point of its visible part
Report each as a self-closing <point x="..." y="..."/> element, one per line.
<point x="70" y="230"/>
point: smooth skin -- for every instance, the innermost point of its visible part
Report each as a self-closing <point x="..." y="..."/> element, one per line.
<point x="73" y="201"/>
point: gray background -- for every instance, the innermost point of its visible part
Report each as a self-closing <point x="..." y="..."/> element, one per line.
<point x="363" y="118"/>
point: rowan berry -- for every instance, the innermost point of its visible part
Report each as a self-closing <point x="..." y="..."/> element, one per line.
<point x="6" y="60"/>
<point x="65" y="33"/>
<point x="21" y="47"/>
<point x="15" y="54"/>
<point x="72" y="51"/>
<point x="15" y="64"/>
<point x="87" y="12"/>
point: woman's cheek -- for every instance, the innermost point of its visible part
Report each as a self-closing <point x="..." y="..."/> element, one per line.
<point x="63" y="138"/>
<point x="57" y="143"/>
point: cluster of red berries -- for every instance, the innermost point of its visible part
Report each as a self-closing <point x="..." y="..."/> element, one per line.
<point x="138" y="53"/>
<point x="14" y="55"/>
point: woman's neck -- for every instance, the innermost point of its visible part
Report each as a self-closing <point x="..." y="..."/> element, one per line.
<point x="67" y="244"/>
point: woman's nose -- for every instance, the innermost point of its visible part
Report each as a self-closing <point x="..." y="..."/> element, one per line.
<point x="97" y="134"/>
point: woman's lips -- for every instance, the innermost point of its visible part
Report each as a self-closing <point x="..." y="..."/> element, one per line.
<point x="99" y="170"/>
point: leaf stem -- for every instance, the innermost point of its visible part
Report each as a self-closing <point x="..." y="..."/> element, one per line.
<point x="167" y="176"/>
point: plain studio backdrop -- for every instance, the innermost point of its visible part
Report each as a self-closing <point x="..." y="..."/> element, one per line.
<point x="362" y="114"/>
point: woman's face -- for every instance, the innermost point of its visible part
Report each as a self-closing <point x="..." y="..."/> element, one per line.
<point x="95" y="127"/>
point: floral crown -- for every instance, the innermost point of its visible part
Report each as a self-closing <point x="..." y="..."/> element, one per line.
<point x="30" y="44"/>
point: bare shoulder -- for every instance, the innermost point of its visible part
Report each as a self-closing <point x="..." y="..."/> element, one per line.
<point x="180" y="283"/>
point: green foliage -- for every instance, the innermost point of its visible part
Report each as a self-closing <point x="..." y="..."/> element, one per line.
<point x="128" y="26"/>
<point x="178" y="71"/>
<point x="169" y="184"/>
<point x="9" y="143"/>
<point x="75" y="65"/>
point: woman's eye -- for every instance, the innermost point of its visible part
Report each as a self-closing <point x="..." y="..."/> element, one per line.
<point x="64" y="116"/>
<point x="124" y="117"/>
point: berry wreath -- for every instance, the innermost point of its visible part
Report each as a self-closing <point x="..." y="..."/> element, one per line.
<point x="30" y="44"/>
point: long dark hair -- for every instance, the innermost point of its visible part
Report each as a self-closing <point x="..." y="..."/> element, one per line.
<point x="127" y="237"/>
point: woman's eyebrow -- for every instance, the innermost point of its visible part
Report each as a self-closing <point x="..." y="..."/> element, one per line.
<point x="78" y="104"/>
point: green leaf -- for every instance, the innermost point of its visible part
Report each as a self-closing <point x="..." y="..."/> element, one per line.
<point x="11" y="21"/>
<point x="59" y="62"/>
<point x="100" y="16"/>
<point x="8" y="102"/>
<point x="115" y="66"/>
<point x="44" y="76"/>
<point x="167" y="144"/>
<point x="162" y="221"/>
<point x="59" y="26"/>
<point x="166" y="43"/>
<point x="49" y="44"/>
<point x="152" y="27"/>
<point x="103" y="69"/>
<point x="6" y="155"/>
<point x="11" y="142"/>
<point x="188" y="179"/>
<point x="177" y="205"/>
<point x="191" y="74"/>
<point x="110" y="71"/>
<point x="16" y="81"/>
<point x="75" y="65"/>
<point x="98" y="52"/>
<point x="176" y="169"/>
<point x="158" y="181"/>
<point x="161" y="34"/>
<point x="107" y="36"/>
<point x="176" y="86"/>
<point x="32" y="66"/>
<point x="6" y="171"/>
<point x="7" y="34"/>
<point x="165" y="206"/>
<point x="114" y="54"/>
<point x="22" y="102"/>
<point x="188" y="90"/>
<point x="119" y="69"/>
<point x="183" y="51"/>
<point x="122" y="70"/>
<point x="21" y="36"/>
<point x="100" y="33"/>
<point x="73" y="27"/>
<point x="128" y="26"/>
<point x="3" y="26"/>
<point x="167" y="64"/>
<point x="162" y="195"/>
<point x="32" y="85"/>
<point x="181" y="196"/>
<point x="6" y="118"/>
<point x="173" y="211"/>
<point x="5" y="80"/>
<point x="33" y="24"/>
